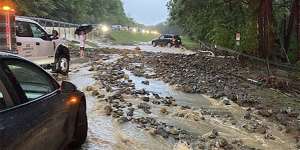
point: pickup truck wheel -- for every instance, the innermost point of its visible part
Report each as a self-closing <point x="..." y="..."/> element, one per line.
<point x="81" y="127"/>
<point x="63" y="65"/>
<point x="169" y="45"/>
<point x="154" y="44"/>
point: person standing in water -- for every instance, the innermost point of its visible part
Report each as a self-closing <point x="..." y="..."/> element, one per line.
<point x="82" y="38"/>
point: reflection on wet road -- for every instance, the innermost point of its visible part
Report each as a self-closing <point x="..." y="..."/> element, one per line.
<point x="149" y="48"/>
<point x="100" y="127"/>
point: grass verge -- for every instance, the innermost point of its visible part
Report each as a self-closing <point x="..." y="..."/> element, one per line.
<point x="127" y="38"/>
<point x="189" y="43"/>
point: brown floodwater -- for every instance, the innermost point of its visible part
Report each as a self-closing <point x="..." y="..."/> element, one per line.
<point x="105" y="133"/>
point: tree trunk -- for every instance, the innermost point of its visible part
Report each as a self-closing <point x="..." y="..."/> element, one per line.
<point x="265" y="26"/>
<point x="298" y="26"/>
<point x="266" y="35"/>
<point x="294" y="23"/>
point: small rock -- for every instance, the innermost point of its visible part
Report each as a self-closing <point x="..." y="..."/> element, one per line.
<point x="293" y="114"/>
<point x="281" y="117"/>
<point x="152" y="131"/>
<point x="89" y="88"/>
<point x="221" y="142"/>
<point x="130" y="112"/>
<point x="156" y="96"/>
<point x="185" y="107"/>
<point x="237" y="142"/>
<point x="108" y="110"/>
<point x="137" y="48"/>
<point x="92" y="68"/>
<point x="122" y="120"/>
<point x="101" y="96"/>
<point x="202" y="118"/>
<point x="164" y="111"/>
<point x="108" y="89"/>
<point x="155" y="102"/>
<point x="247" y="115"/>
<point x="233" y="97"/>
<point x="269" y="136"/>
<point x="162" y="132"/>
<point x="141" y="92"/>
<point x="95" y="93"/>
<point x="129" y="104"/>
<point x="146" y="99"/>
<point x="117" y="113"/>
<point x="265" y="113"/>
<point x="126" y="77"/>
<point x="226" y="102"/>
<point x="261" y="130"/>
<point x="174" y="131"/>
<point x="218" y="95"/>
<point x="214" y="134"/>
<point x="145" y="107"/>
<point x="146" y="82"/>
<point x="298" y="145"/>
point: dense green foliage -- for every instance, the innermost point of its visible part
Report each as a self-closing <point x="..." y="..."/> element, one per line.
<point x="76" y="11"/>
<point x="217" y="21"/>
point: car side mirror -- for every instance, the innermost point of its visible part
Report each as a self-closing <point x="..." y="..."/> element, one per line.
<point x="68" y="87"/>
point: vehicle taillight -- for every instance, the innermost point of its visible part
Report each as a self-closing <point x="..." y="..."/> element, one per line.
<point x="6" y="8"/>
<point x="73" y="100"/>
<point x="7" y="29"/>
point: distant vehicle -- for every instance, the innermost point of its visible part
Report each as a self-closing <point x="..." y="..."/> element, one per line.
<point x="168" y="40"/>
<point x="35" y="111"/>
<point x="28" y="39"/>
<point x="116" y="27"/>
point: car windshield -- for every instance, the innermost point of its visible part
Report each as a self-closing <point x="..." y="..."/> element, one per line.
<point x="31" y="79"/>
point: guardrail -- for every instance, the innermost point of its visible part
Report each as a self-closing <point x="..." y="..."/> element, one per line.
<point x="66" y="30"/>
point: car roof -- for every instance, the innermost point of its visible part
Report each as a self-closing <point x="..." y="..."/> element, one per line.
<point x="171" y="34"/>
<point x="9" y="55"/>
<point x="19" y="18"/>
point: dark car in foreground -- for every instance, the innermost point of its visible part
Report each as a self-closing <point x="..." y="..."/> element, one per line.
<point x="36" y="112"/>
<point x="168" y="40"/>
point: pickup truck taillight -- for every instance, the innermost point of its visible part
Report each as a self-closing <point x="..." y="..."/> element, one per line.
<point x="7" y="29"/>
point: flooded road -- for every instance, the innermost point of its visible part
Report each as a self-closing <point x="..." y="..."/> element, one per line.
<point x="100" y="127"/>
<point x="197" y="115"/>
<point x="147" y="47"/>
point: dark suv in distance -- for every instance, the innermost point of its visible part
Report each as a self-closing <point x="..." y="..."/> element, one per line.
<point x="168" y="40"/>
<point x="36" y="112"/>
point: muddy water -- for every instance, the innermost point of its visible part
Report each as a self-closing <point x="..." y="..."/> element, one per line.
<point x="149" y="48"/>
<point x="201" y="102"/>
<point x="163" y="89"/>
<point x="105" y="133"/>
<point x="100" y="127"/>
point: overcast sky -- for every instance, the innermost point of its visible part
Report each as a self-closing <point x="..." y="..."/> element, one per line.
<point x="148" y="12"/>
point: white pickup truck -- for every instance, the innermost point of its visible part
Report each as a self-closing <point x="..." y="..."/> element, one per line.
<point x="28" y="39"/>
<point x="35" y="44"/>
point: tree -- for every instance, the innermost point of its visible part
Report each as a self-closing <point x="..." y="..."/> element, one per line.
<point x="75" y="11"/>
<point x="260" y="22"/>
